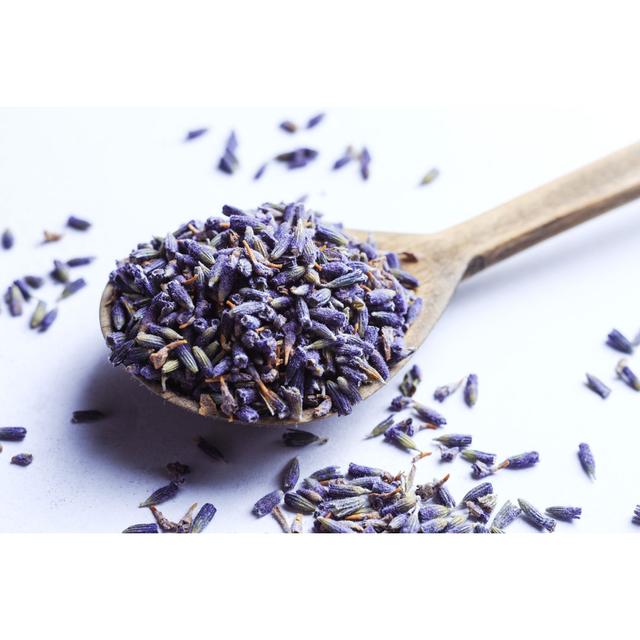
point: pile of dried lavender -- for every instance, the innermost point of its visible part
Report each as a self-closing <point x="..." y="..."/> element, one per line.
<point x="262" y="312"/>
<point x="16" y="434"/>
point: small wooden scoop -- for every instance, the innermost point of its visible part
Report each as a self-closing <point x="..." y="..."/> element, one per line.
<point x="447" y="257"/>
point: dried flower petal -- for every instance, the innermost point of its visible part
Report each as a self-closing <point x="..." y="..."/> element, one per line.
<point x="619" y="342"/>
<point x="12" y="434"/>
<point x="597" y="386"/>
<point x="267" y="504"/>
<point x="22" y="459"/>
<point x="587" y="460"/>
<point x="161" y="495"/>
<point x="564" y="513"/>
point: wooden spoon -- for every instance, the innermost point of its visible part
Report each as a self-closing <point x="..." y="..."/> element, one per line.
<point x="447" y="257"/>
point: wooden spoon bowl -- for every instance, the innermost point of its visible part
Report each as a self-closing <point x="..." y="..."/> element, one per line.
<point x="445" y="258"/>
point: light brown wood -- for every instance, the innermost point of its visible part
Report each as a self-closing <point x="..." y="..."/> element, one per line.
<point x="445" y="258"/>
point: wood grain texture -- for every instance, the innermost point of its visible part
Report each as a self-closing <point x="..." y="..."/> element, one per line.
<point x="445" y="258"/>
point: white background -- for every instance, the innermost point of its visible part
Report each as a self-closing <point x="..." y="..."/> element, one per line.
<point x="529" y="327"/>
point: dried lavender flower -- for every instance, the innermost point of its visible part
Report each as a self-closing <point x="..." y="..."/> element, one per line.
<point x="533" y="516"/>
<point x="429" y="415"/>
<point x="299" y="503"/>
<point x="619" y="342"/>
<point x="300" y="438"/>
<point x="400" y="438"/>
<point x="507" y="514"/>
<point x="228" y="162"/>
<point x="288" y="126"/>
<point x="12" y="434"/>
<point x="14" y="300"/>
<point x="209" y="449"/>
<point x="267" y="503"/>
<point x="7" y="239"/>
<point x="410" y="381"/>
<point x="78" y="223"/>
<point x="22" y="459"/>
<point x="38" y="314"/>
<point x="564" y="513"/>
<point x="291" y="474"/>
<point x="161" y="495"/>
<point x="597" y="386"/>
<point x="35" y="282"/>
<point x="73" y="287"/>
<point x="142" y="528"/>
<point x="203" y="518"/>
<point x="399" y="403"/>
<point x="627" y="376"/>
<point x="80" y="262"/>
<point x="521" y="460"/>
<point x="471" y="390"/>
<point x="473" y="455"/>
<point x="454" y="440"/>
<point x="60" y="272"/>
<point x="314" y="121"/>
<point x="443" y="392"/>
<point x="587" y="460"/>
<point x="48" y="320"/>
<point x="429" y="177"/>
<point x="636" y="515"/>
<point x="482" y="489"/>
<point x="87" y="415"/>
<point x="365" y="161"/>
<point x="380" y="428"/>
<point x="195" y="133"/>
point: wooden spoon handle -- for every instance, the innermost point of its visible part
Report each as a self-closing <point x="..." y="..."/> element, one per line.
<point x="548" y="210"/>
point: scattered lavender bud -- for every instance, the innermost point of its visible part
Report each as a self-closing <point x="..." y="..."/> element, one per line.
<point x="448" y="454"/>
<point x="315" y="120"/>
<point x="161" y="495"/>
<point x="267" y="504"/>
<point x="12" y="434"/>
<point x="142" y="528"/>
<point x="203" y="518"/>
<point x="396" y="436"/>
<point x="327" y="473"/>
<point x="7" y="239"/>
<point x="73" y="287"/>
<point x="481" y="470"/>
<point x="24" y="289"/>
<point x="521" y="460"/>
<point x="480" y="490"/>
<point x="429" y="415"/>
<point x="636" y="515"/>
<point x="379" y="429"/>
<point x="473" y="455"/>
<point x="586" y="460"/>
<point x="400" y="403"/>
<point x="291" y="475"/>
<point x="209" y="449"/>
<point x="195" y="133"/>
<point x="564" y="513"/>
<point x="597" y="386"/>
<point x="299" y="503"/>
<point x="471" y="390"/>
<point x="78" y="223"/>
<point x="619" y="342"/>
<point x="454" y="440"/>
<point x="345" y="159"/>
<point x="60" y="272"/>
<point x="14" y="300"/>
<point x="327" y="525"/>
<point x="443" y="392"/>
<point x="300" y="438"/>
<point x="87" y="415"/>
<point x="429" y="177"/>
<point x="365" y="161"/>
<point x="38" y="315"/>
<point x="627" y="376"/>
<point x="80" y="262"/>
<point x="260" y="172"/>
<point x="22" y="459"/>
<point x="537" y="519"/>
<point x="48" y="320"/>
<point x="35" y="282"/>
<point x="228" y="162"/>
<point x="507" y="514"/>
<point x="288" y="126"/>
<point x="410" y="381"/>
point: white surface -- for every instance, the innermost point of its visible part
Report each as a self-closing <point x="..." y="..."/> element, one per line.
<point x="529" y="327"/>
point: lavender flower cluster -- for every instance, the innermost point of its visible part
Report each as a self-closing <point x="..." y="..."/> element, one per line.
<point x="264" y="312"/>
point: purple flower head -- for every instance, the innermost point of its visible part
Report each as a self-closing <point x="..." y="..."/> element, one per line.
<point x="429" y="415"/>
<point x="7" y="239"/>
<point x="507" y="514"/>
<point x="564" y="513"/>
<point x="483" y="489"/>
<point x="267" y="504"/>
<point x="400" y="438"/>
<point x="314" y="121"/>
<point x="587" y="460"/>
<point x="627" y="375"/>
<point x="597" y="386"/>
<point x="12" y="434"/>
<point x="291" y="474"/>
<point x="522" y="460"/>
<point x="78" y="223"/>
<point x="534" y="517"/>
<point x="203" y="518"/>
<point x="455" y="440"/>
<point x="619" y="342"/>
<point x="471" y="390"/>
<point x="473" y="455"/>
<point x="22" y="459"/>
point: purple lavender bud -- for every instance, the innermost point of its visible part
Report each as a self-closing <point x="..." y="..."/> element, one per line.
<point x="537" y="519"/>
<point x="7" y="239"/>
<point x="473" y="455"/>
<point x="566" y="514"/>
<point x="142" y="528"/>
<point x="327" y="525"/>
<point x="268" y="503"/>
<point x="340" y="402"/>
<point x="430" y="415"/>
<point x="448" y="454"/>
<point x="627" y="375"/>
<point x="260" y="172"/>
<point x="247" y="414"/>
<point x="507" y="514"/>
<point x="431" y="511"/>
<point x="288" y="126"/>
<point x="73" y="287"/>
<point x="314" y="121"/>
<point x="12" y="434"/>
<point x="597" y="386"/>
<point x="24" y="289"/>
<point x="327" y="473"/>
<point x="443" y="496"/>
<point x="80" y="262"/>
<point x="35" y="282"/>
<point x="619" y="342"/>
<point x="480" y="470"/>
<point x="471" y="390"/>
<point x="14" y="300"/>
<point x="161" y="495"/>
<point x="195" y="133"/>
<point x="406" y="279"/>
<point x="299" y="503"/>
<point x="48" y="320"/>
<point x="300" y="438"/>
<point x="361" y="471"/>
<point x="522" y="460"/>
<point x="203" y="518"/>
<point x="78" y="223"/>
<point x="22" y="459"/>
<point x="454" y="440"/>
<point x="483" y="489"/>
<point x="179" y="294"/>
<point x="587" y="460"/>
<point x="291" y="475"/>
<point x="399" y="403"/>
<point x="436" y="525"/>
<point x="365" y="161"/>
<point x="398" y="437"/>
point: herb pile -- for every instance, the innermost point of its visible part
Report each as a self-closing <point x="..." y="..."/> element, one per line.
<point x="258" y="313"/>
